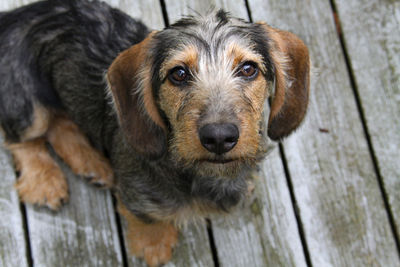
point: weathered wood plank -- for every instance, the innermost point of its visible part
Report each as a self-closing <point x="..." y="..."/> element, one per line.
<point x="12" y="236"/>
<point x="264" y="231"/>
<point x="179" y="8"/>
<point x="8" y="4"/>
<point x="372" y="36"/>
<point x="82" y="233"/>
<point x="149" y="12"/>
<point x="193" y="248"/>
<point x="340" y="203"/>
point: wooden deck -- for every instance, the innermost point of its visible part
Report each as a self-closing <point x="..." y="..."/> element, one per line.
<point x="327" y="196"/>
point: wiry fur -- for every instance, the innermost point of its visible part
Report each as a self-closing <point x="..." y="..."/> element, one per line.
<point x="53" y="58"/>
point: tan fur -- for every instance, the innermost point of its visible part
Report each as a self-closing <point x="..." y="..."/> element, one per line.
<point x="240" y="54"/>
<point x="184" y="119"/>
<point x="41" y="180"/>
<point x="153" y="242"/>
<point x="40" y="123"/>
<point x="129" y="64"/>
<point x="130" y="86"/>
<point x="249" y="141"/>
<point x="74" y="148"/>
<point x="188" y="57"/>
<point x="171" y="99"/>
<point x="292" y="67"/>
<point x="281" y="65"/>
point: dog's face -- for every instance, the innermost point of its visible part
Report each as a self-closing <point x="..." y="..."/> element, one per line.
<point x="198" y="89"/>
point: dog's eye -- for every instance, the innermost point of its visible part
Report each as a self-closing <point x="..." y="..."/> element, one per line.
<point x="248" y="70"/>
<point x="178" y="75"/>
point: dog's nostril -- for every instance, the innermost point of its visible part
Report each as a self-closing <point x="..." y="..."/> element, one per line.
<point x="208" y="141"/>
<point x="219" y="138"/>
<point x="231" y="139"/>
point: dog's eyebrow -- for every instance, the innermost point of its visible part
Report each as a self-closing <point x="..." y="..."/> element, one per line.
<point x="199" y="40"/>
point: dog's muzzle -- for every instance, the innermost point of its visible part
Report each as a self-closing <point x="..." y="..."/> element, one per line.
<point x="219" y="138"/>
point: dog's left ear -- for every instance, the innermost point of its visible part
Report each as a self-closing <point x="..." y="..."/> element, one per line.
<point x="292" y="82"/>
<point x="129" y="79"/>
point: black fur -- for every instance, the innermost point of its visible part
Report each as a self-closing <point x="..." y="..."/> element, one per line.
<point x="56" y="53"/>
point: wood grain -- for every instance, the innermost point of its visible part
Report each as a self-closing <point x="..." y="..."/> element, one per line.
<point x="178" y="8"/>
<point x="82" y="233"/>
<point x="372" y="35"/>
<point x="335" y="185"/>
<point x="149" y="12"/>
<point x="263" y="232"/>
<point x="7" y="5"/>
<point x="336" y="189"/>
<point x="12" y="236"/>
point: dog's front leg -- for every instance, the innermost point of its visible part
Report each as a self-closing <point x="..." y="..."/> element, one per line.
<point x="152" y="241"/>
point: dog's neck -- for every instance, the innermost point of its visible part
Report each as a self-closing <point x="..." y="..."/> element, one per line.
<point x="157" y="188"/>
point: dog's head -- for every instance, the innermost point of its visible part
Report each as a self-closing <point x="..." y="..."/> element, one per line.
<point x="197" y="90"/>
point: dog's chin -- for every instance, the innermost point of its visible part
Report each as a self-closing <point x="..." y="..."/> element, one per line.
<point x="214" y="166"/>
<point x="220" y="167"/>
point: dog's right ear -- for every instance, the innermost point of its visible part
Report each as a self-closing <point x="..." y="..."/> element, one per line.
<point x="129" y="80"/>
<point x="292" y="82"/>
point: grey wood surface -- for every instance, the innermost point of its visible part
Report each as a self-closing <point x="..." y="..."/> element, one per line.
<point x="82" y="233"/>
<point x="264" y="231"/>
<point x="8" y="4"/>
<point x="148" y="11"/>
<point x="178" y="8"/>
<point x="337" y="194"/>
<point x="12" y="236"/>
<point x="372" y="35"/>
<point x="333" y="178"/>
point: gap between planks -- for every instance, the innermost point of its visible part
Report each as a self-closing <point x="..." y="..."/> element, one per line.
<point x="26" y="232"/>
<point x="300" y="226"/>
<point x="289" y="181"/>
<point x="360" y="110"/>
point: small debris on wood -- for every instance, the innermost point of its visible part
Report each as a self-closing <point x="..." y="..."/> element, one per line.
<point x="323" y="130"/>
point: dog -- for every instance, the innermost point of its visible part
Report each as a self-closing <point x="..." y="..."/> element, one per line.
<point x="173" y="120"/>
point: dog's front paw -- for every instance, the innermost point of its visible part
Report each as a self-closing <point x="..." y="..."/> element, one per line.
<point x="94" y="168"/>
<point x="154" y="242"/>
<point x="75" y="149"/>
<point x="43" y="185"/>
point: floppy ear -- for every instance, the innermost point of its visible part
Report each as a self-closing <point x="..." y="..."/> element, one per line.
<point x="129" y="79"/>
<point x="292" y="82"/>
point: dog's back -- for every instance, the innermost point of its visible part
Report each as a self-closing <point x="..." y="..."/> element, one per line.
<point x="54" y="50"/>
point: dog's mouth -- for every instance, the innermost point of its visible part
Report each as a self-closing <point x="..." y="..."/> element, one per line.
<point x="218" y="160"/>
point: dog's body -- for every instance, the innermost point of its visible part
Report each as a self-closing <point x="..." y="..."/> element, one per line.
<point x="48" y="51"/>
<point x="181" y="118"/>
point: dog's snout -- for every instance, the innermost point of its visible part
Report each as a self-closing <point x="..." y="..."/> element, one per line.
<point x="219" y="138"/>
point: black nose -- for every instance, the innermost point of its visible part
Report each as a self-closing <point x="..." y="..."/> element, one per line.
<point x="219" y="138"/>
